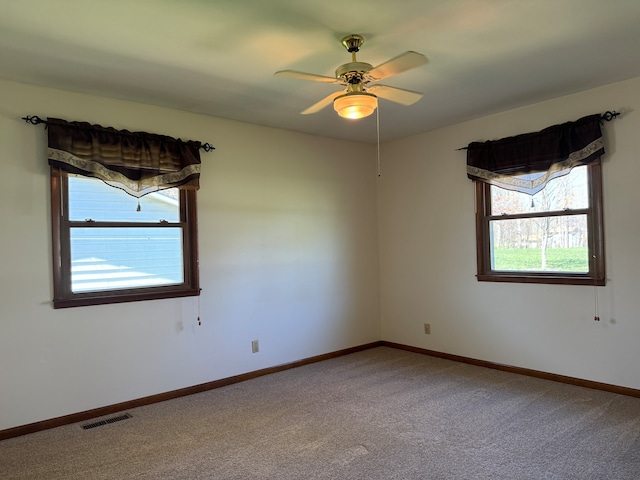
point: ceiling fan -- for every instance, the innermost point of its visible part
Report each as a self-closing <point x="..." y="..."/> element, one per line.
<point x="360" y="99"/>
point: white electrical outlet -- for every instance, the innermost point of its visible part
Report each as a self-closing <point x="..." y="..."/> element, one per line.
<point x="427" y="328"/>
<point x="255" y="346"/>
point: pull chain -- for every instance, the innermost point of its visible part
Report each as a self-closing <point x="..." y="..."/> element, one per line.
<point x="199" y="322"/>
<point x="378" y="136"/>
<point x="596" y="313"/>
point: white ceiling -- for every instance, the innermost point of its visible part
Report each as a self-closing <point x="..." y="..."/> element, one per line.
<point x="218" y="57"/>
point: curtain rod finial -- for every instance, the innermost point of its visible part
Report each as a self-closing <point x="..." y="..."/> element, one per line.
<point x="610" y="115"/>
<point x="33" y="120"/>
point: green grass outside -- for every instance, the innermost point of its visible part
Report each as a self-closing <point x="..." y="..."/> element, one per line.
<point x="558" y="259"/>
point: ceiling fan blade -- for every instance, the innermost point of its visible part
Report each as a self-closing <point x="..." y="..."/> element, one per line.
<point x="305" y="76"/>
<point x="399" y="64"/>
<point x="325" y="102"/>
<point x="394" y="94"/>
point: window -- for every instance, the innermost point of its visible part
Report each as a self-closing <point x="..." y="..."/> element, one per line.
<point x="105" y="250"/>
<point x="554" y="236"/>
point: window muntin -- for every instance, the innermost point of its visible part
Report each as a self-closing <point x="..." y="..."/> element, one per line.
<point x="554" y="236"/>
<point x="106" y="250"/>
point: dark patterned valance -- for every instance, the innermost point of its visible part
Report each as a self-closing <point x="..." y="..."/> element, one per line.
<point x="553" y="151"/>
<point x="137" y="162"/>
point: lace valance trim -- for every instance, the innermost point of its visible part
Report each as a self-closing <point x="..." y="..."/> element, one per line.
<point x="135" y="188"/>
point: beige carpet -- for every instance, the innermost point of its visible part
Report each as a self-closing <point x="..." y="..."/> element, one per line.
<point x="378" y="414"/>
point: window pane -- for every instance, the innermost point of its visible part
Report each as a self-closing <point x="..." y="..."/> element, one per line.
<point x="92" y="198"/>
<point x="118" y="258"/>
<point x="549" y="244"/>
<point x="570" y="191"/>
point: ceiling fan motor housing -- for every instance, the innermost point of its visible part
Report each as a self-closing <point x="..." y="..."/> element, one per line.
<point x="353" y="72"/>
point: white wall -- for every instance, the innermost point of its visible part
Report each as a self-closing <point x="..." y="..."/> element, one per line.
<point x="288" y="256"/>
<point x="427" y="259"/>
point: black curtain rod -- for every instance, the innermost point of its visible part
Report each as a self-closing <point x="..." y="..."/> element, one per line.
<point x="36" y="120"/>
<point x="606" y="116"/>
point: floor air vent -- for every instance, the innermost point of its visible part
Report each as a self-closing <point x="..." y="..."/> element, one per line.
<point x="106" y="421"/>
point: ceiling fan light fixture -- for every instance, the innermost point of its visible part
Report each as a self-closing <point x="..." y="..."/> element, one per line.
<point x="355" y="105"/>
